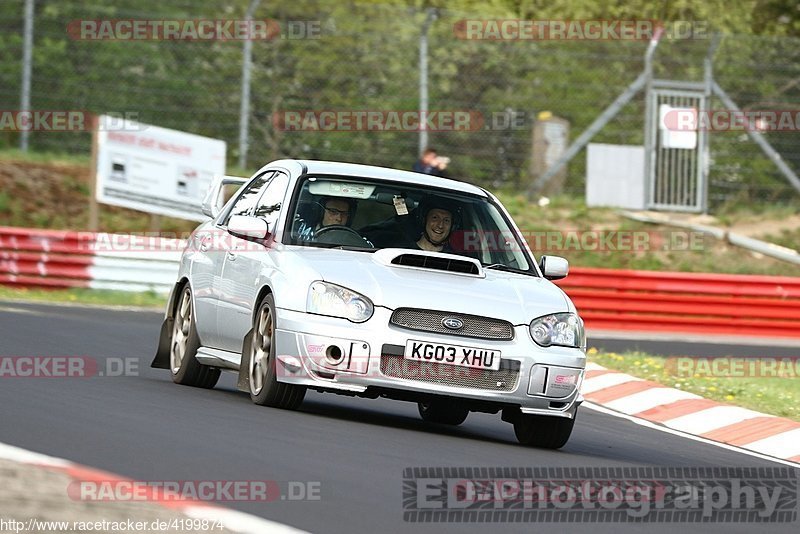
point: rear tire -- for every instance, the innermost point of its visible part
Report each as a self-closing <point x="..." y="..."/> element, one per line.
<point x="543" y="431"/>
<point x="442" y="412"/>
<point x="265" y="390"/>
<point x="186" y="370"/>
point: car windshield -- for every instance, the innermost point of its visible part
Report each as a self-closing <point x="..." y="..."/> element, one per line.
<point x="362" y="214"/>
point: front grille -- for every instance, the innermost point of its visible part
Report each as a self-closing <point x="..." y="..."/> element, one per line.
<point x="505" y="379"/>
<point x="431" y="321"/>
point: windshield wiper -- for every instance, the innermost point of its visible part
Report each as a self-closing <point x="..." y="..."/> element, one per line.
<point x="499" y="267"/>
<point x="351" y="247"/>
<point x="506" y="268"/>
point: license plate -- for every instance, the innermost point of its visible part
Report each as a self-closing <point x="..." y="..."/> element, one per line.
<point x="474" y="357"/>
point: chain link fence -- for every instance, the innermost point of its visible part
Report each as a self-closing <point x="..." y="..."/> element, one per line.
<point x="366" y="57"/>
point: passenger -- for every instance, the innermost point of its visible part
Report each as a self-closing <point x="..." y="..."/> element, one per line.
<point x="437" y="221"/>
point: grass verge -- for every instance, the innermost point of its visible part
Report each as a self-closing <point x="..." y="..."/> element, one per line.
<point x="14" y="154"/>
<point x="776" y="395"/>
<point x="148" y="299"/>
<point x="787" y="238"/>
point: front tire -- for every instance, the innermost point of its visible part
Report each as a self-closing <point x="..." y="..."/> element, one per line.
<point x="186" y="370"/>
<point x="265" y="390"/>
<point x="442" y="412"/>
<point x="543" y="431"/>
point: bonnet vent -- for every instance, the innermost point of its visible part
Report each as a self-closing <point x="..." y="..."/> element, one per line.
<point x="437" y="263"/>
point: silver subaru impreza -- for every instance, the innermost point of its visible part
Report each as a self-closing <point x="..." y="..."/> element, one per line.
<point x="375" y="282"/>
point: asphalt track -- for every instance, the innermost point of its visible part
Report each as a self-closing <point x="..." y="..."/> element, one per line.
<point x="144" y="427"/>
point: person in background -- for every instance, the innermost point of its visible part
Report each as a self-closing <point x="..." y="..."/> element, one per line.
<point x="431" y="163"/>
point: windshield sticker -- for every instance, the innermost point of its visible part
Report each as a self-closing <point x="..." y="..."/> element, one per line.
<point x="400" y="205"/>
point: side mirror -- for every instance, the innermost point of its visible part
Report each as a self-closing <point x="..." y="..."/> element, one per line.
<point x="252" y="228"/>
<point x="554" y="267"/>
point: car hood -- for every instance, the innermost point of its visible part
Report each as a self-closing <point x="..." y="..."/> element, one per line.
<point x="514" y="297"/>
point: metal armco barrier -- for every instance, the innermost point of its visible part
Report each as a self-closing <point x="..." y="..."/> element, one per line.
<point x="607" y="299"/>
<point x="763" y="306"/>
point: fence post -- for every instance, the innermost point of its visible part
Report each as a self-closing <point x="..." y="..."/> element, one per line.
<point x="244" y="108"/>
<point x="430" y="16"/>
<point x="650" y="128"/>
<point x="27" y="60"/>
<point x="708" y="82"/>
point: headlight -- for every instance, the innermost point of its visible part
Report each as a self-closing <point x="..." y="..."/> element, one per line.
<point x="337" y="301"/>
<point x="563" y="329"/>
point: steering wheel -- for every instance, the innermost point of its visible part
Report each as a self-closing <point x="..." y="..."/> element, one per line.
<point x="339" y="234"/>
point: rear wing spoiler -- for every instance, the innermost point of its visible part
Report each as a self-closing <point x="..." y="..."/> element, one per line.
<point x="212" y="203"/>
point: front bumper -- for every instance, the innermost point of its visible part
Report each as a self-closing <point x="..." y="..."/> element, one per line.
<point x="336" y="355"/>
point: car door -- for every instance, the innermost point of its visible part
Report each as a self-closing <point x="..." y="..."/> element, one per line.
<point x="213" y="245"/>
<point x="243" y="264"/>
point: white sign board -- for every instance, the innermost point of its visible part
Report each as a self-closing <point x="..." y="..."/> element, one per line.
<point x="156" y="170"/>
<point x="615" y="176"/>
<point x="678" y="127"/>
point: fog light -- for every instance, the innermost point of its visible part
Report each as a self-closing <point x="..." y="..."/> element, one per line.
<point x="334" y="355"/>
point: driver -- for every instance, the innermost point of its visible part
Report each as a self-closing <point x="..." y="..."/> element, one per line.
<point x="335" y="211"/>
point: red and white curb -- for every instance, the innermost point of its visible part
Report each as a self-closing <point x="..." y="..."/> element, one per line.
<point x="769" y="435"/>
<point x="232" y="520"/>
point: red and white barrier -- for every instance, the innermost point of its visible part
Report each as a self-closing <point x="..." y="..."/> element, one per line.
<point x="705" y="303"/>
<point x="64" y="259"/>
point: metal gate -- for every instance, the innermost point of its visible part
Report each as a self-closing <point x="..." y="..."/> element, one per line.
<point x="676" y="162"/>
